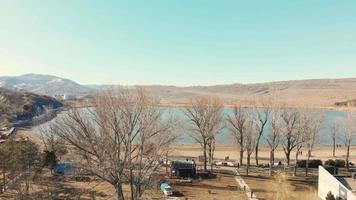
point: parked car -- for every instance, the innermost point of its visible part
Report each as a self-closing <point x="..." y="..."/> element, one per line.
<point x="224" y="163"/>
<point x="166" y="189"/>
<point x="219" y="163"/>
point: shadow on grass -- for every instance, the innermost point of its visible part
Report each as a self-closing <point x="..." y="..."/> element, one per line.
<point x="53" y="188"/>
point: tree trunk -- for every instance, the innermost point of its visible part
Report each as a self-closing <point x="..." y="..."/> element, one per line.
<point x="273" y="157"/>
<point x="205" y="157"/>
<point x="119" y="192"/>
<point x="256" y="151"/>
<point x="307" y="163"/>
<point x="296" y="163"/>
<point x="211" y="157"/>
<point x="333" y="147"/>
<point x="241" y="155"/>
<point x="248" y="164"/>
<point x="288" y="157"/>
<point x="347" y="158"/>
<point x="271" y="162"/>
<point x="137" y="192"/>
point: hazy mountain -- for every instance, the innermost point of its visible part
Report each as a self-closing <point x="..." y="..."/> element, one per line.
<point x="44" y="84"/>
<point x="317" y="92"/>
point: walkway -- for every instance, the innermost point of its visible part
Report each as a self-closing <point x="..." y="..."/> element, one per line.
<point x="242" y="183"/>
<point x="244" y="186"/>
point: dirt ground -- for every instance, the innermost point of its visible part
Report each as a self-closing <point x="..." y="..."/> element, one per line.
<point x="265" y="187"/>
<point x="283" y="185"/>
<point x="224" y="187"/>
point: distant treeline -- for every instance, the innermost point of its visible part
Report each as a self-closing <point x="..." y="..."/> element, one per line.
<point x="346" y="103"/>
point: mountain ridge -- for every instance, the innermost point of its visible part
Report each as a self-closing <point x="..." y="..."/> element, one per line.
<point x="309" y="92"/>
<point x="44" y="84"/>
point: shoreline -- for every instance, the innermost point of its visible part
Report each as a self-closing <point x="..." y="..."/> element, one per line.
<point x="185" y="105"/>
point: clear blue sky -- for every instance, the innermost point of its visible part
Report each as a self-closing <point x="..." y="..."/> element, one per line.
<point x="178" y="42"/>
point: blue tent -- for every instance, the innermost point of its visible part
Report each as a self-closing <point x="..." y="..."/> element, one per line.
<point x="63" y="169"/>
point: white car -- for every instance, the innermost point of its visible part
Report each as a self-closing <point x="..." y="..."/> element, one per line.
<point x="168" y="191"/>
<point x="219" y="163"/>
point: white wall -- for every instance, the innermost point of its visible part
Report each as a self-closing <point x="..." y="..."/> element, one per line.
<point x="327" y="182"/>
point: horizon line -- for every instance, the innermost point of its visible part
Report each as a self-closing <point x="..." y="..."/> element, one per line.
<point x="182" y="86"/>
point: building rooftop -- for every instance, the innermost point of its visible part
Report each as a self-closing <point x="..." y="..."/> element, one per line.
<point x="182" y="164"/>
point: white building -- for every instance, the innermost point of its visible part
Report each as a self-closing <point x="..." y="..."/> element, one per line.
<point x="65" y="97"/>
<point x="341" y="187"/>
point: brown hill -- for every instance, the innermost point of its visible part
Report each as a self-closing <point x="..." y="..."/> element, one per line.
<point x="318" y="92"/>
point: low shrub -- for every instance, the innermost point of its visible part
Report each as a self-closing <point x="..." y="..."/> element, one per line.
<point x="312" y="163"/>
<point x="335" y="163"/>
<point x="340" y="163"/>
<point x="330" y="162"/>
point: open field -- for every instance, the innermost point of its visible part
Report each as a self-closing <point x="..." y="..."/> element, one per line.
<point x="278" y="186"/>
<point x="223" y="186"/>
<point x="283" y="185"/>
<point x="64" y="187"/>
<point x="211" y="189"/>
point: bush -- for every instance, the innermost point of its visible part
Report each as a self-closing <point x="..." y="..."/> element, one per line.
<point x="340" y="163"/>
<point x="312" y="163"/>
<point x="330" y="162"/>
<point x="330" y="196"/>
<point x="335" y="163"/>
<point x="315" y="163"/>
<point x="301" y="163"/>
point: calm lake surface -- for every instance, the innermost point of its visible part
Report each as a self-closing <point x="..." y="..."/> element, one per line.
<point x="224" y="137"/>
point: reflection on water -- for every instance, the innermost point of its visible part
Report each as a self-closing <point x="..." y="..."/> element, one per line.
<point x="224" y="137"/>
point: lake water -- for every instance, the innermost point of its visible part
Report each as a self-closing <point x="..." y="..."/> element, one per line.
<point x="224" y="137"/>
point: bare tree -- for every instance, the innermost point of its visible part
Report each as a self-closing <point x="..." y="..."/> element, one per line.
<point x="250" y="141"/>
<point x="273" y="139"/>
<point x="290" y="118"/>
<point x="315" y="124"/>
<point x="334" y="132"/>
<point x="237" y="126"/>
<point x="54" y="146"/>
<point x="349" y="134"/>
<point x="261" y="119"/>
<point x="299" y="140"/>
<point x="205" y="122"/>
<point x="121" y="139"/>
<point x="211" y="150"/>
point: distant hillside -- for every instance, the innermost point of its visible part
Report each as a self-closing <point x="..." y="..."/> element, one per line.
<point x="17" y="105"/>
<point x="44" y="84"/>
<point x="318" y="92"/>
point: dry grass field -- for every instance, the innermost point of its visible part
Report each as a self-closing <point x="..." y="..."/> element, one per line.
<point x="264" y="186"/>
<point x="282" y="186"/>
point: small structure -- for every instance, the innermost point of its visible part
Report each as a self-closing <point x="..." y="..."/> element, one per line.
<point x="340" y="187"/>
<point x="183" y="169"/>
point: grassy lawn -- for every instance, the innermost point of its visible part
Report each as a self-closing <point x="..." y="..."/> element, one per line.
<point x="223" y="187"/>
<point x="283" y="185"/>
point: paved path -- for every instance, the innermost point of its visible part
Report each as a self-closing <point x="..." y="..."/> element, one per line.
<point x="242" y="183"/>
